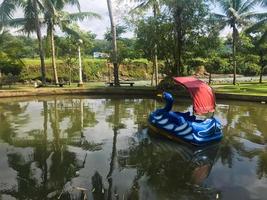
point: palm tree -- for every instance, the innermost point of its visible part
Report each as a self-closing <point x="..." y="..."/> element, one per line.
<point x="114" y="45"/>
<point x="145" y="5"/>
<point x="55" y="16"/>
<point x="236" y="14"/>
<point x="260" y="40"/>
<point x="30" y="23"/>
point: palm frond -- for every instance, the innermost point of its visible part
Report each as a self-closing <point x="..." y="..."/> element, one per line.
<point x="59" y="4"/>
<point x="80" y="16"/>
<point x="221" y="20"/>
<point x="260" y="16"/>
<point x="219" y="17"/>
<point x="237" y="4"/>
<point x="7" y="8"/>
<point x="70" y="31"/>
<point x="264" y="2"/>
<point x="143" y="5"/>
<point x="224" y="5"/>
<point x="255" y="15"/>
<point x="223" y="24"/>
<point x="263" y="38"/>
<point x="248" y="5"/>
<point x="49" y="7"/>
<point x="256" y="26"/>
<point x="74" y="3"/>
<point x="17" y="22"/>
<point x="29" y="15"/>
<point x="146" y="4"/>
<point x="40" y="5"/>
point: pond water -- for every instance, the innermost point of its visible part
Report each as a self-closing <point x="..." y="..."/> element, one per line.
<point x="71" y="147"/>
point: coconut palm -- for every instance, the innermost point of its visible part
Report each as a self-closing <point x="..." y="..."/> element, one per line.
<point x="114" y="44"/>
<point x="30" y="23"/>
<point x="236" y="14"/>
<point x="145" y="5"/>
<point x="55" y="16"/>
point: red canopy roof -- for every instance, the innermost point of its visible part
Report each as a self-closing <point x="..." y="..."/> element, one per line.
<point x="202" y="94"/>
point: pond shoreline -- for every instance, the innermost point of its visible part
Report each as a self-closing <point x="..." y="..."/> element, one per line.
<point x="148" y="92"/>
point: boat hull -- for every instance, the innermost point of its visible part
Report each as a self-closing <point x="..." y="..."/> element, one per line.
<point x="186" y="129"/>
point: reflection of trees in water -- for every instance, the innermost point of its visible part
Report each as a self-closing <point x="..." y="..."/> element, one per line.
<point x="80" y="116"/>
<point x="47" y="166"/>
<point x="115" y="120"/>
<point x="11" y="114"/>
<point x="245" y="122"/>
<point x="120" y="111"/>
<point x="230" y="141"/>
<point x="142" y="107"/>
<point x="99" y="191"/>
<point x="172" y="170"/>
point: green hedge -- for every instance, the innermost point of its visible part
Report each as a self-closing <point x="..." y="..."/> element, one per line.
<point x="93" y="69"/>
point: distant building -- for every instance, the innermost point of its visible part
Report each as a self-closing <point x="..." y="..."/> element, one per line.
<point x="100" y="55"/>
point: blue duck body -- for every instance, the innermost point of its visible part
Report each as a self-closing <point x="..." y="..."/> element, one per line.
<point x="183" y="126"/>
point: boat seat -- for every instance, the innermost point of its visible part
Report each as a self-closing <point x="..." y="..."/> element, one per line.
<point x="187" y="116"/>
<point x="176" y="118"/>
<point x="204" y="125"/>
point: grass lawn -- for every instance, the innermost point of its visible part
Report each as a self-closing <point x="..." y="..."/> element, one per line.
<point x="242" y="88"/>
<point x="137" y="85"/>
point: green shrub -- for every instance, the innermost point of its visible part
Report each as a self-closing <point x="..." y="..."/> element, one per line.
<point x="251" y="70"/>
<point x="93" y="69"/>
<point x="8" y="79"/>
<point x="10" y="66"/>
<point x="218" y="65"/>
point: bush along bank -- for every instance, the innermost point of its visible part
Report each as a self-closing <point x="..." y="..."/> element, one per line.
<point x="93" y="70"/>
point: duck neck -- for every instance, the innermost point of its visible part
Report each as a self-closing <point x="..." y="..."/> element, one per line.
<point x="168" y="105"/>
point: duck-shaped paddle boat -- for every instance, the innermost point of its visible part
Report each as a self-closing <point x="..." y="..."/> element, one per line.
<point x="184" y="126"/>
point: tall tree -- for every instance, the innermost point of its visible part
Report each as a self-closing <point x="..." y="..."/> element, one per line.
<point x="30" y="23"/>
<point x="259" y="35"/>
<point x="188" y="18"/>
<point x="236" y="14"/>
<point x="114" y="44"/>
<point x="55" y="16"/>
<point x="155" y="5"/>
<point x="39" y="36"/>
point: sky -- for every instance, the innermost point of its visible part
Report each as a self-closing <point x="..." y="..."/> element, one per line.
<point x="100" y="26"/>
<point x="97" y="26"/>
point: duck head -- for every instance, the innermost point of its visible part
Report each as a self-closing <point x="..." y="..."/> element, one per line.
<point x="167" y="96"/>
<point x="169" y="101"/>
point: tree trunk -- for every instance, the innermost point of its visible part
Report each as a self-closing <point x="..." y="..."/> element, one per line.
<point x="44" y="144"/>
<point x="40" y="44"/>
<point x="69" y="75"/>
<point x="0" y="78"/>
<point x="179" y="35"/>
<point x="114" y="44"/>
<point x="80" y="67"/>
<point x="53" y="54"/>
<point x="153" y="74"/>
<point x="261" y="72"/>
<point x="234" y="53"/>
<point x="156" y="65"/>
<point x="262" y="65"/>
<point x="156" y="46"/>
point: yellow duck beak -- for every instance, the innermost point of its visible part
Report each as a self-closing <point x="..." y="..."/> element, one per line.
<point x="159" y="95"/>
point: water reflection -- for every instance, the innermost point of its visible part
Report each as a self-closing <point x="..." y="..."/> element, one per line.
<point x="78" y="148"/>
<point x="173" y="170"/>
